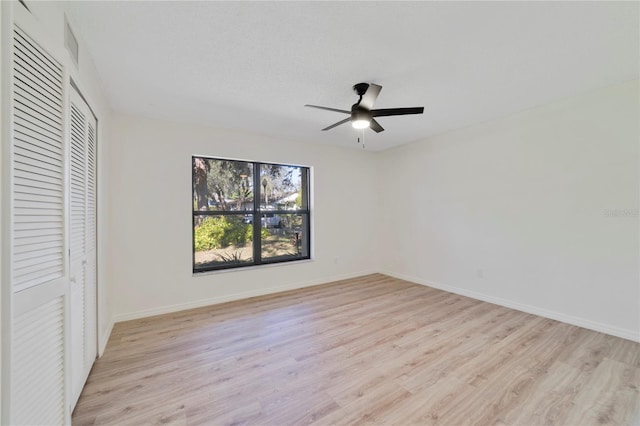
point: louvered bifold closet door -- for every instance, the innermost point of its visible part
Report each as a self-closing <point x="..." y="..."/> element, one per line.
<point x="77" y="244"/>
<point x="82" y="243"/>
<point x="37" y="357"/>
<point x="91" y="326"/>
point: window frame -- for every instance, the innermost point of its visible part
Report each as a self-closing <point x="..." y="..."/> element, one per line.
<point x="257" y="213"/>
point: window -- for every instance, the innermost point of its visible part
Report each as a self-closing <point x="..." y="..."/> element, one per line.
<point x="248" y="213"/>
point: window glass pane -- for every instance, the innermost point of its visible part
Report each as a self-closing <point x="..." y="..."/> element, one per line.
<point x="281" y="187"/>
<point x="222" y="240"/>
<point x="223" y="237"/>
<point x="222" y="185"/>
<point x="284" y="236"/>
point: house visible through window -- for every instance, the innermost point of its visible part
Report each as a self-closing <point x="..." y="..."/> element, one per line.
<point x="248" y="213"/>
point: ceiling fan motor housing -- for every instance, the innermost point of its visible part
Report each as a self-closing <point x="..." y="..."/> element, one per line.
<point x="358" y="113"/>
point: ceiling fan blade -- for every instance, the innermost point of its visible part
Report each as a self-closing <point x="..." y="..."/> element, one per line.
<point x="396" y="111"/>
<point x="370" y="96"/>
<point x="346" y="120"/>
<point x="329" y="109"/>
<point x="375" y="126"/>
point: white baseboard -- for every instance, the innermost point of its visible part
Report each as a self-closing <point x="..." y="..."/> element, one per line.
<point x="231" y="297"/>
<point x="580" y="322"/>
<point x="104" y="339"/>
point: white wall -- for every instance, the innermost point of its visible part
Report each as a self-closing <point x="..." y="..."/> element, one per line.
<point x="51" y="15"/>
<point x="537" y="211"/>
<point x="150" y="209"/>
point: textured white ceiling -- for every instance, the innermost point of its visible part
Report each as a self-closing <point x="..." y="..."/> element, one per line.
<point x="252" y="66"/>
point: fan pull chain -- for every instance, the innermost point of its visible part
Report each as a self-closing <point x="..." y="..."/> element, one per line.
<point x="361" y="131"/>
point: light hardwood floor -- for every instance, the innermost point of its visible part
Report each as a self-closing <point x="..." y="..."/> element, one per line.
<point x="371" y="350"/>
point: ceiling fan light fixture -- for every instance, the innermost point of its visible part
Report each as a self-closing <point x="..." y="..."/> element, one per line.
<point x="361" y="123"/>
<point x="360" y="119"/>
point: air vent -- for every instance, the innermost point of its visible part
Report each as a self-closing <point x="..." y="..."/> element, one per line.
<point x="70" y="41"/>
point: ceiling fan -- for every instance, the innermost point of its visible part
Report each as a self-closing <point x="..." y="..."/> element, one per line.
<point x="362" y="115"/>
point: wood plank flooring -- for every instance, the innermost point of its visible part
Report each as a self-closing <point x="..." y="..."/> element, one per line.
<point x="371" y="350"/>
